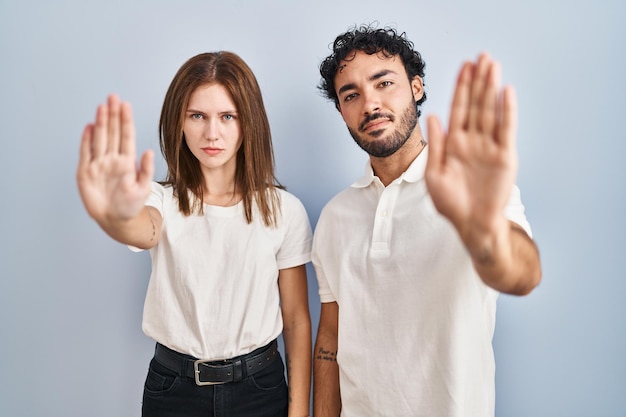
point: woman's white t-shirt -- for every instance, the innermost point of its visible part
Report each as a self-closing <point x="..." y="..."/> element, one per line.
<point x="213" y="292"/>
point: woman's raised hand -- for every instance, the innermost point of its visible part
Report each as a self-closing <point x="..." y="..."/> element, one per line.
<point x="112" y="187"/>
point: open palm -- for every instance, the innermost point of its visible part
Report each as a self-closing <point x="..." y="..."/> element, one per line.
<point x="111" y="185"/>
<point x="472" y="167"/>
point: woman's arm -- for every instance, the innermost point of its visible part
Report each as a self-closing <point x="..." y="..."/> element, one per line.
<point x="294" y="296"/>
<point x="111" y="187"/>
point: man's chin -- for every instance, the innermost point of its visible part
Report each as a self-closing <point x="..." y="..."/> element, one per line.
<point x="376" y="134"/>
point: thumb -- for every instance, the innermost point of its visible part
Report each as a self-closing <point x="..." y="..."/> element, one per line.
<point x="435" y="144"/>
<point x="146" y="169"/>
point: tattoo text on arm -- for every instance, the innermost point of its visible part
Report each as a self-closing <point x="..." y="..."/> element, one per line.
<point x="326" y="355"/>
<point x="153" y="226"/>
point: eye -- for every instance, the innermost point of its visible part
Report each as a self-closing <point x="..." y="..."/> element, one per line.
<point x="229" y="116"/>
<point x="196" y="116"/>
<point x="385" y="84"/>
<point x="350" y="97"/>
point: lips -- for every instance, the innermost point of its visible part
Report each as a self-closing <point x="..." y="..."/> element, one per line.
<point x="211" y="151"/>
<point x="374" y="121"/>
<point x="375" y="124"/>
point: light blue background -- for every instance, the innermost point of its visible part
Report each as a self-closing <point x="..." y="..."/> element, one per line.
<point x="71" y="298"/>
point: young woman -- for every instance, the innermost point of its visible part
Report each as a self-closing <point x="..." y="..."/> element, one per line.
<point x="228" y="244"/>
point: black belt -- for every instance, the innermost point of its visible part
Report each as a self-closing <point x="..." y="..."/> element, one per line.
<point x="216" y="372"/>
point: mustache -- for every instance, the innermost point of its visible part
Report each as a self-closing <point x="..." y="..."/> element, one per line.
<point x="373" y="117"/>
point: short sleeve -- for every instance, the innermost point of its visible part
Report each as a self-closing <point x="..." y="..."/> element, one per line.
<point x="324" y="291"/>
<point x="515" y="211"/>
<point x="296" y="246"/>
<point x="155" y="200"/>
<point x="157" y="197"/>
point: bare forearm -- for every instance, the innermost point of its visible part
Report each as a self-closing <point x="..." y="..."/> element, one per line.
<point x="508" y="260"/>
<point x="297" y="337"/>
<point x="326" y="394"/>
<point x="142" y="231"/>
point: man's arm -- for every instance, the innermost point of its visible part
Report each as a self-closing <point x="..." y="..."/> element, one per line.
<point x="508" y="262"/>
<point x="470" y="174"/>
<point x="326" y="399"/>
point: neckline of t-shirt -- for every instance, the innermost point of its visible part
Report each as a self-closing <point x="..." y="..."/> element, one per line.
<point x="222" y="210"/>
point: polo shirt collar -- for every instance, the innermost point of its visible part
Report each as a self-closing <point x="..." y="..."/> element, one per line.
<point x="414" y="173"/>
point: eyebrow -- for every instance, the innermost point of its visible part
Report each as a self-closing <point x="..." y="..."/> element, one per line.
<point x="374" y="77"/>
<point x="190" y="110"/>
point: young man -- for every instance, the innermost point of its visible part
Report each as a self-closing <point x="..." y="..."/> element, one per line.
<point x="411" y="258"/>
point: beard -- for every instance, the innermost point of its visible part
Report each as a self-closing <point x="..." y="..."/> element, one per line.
<point x="382" y="147"/>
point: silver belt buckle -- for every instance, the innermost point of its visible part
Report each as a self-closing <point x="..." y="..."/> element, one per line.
<point x="196" y="374"/>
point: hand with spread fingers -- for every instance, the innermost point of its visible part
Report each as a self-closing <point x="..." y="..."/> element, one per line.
<point x="472" y="167"/>
<point x="111" y="186"/>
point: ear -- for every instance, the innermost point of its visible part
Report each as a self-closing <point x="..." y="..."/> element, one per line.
<point x="417" y="86"/>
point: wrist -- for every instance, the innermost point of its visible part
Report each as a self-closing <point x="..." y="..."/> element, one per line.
<point x="485" y="243"/>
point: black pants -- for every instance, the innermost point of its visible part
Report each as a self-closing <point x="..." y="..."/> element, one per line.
<point x="168" y="394"/>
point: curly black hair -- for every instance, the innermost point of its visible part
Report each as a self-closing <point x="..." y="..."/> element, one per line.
<point x="370" y="40"/>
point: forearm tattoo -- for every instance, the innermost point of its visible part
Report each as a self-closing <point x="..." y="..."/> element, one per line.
<point x="326" y="355"/>
<point x="153" y="226"/>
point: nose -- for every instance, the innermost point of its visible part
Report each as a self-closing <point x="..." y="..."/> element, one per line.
<point x="371" y="102"/>
<point x="211" y="129"/>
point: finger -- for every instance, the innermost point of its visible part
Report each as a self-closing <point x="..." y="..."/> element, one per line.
<point x="460" y="102"/>
<point x="477" y="92"/>
<point x="100" y="135"/>
<point x="436" y="144"/>
<point x="114" y="124"/>
<point x="487" y="113"/>
<point x="146" y="168"/>
<point x="128" y="143"/>
<point x="85" y="152"/>
<point x="507" y="130"/>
